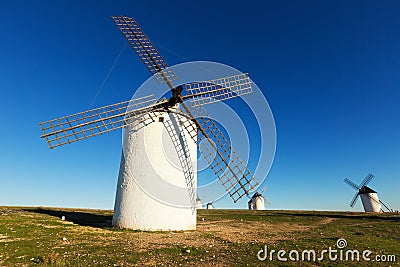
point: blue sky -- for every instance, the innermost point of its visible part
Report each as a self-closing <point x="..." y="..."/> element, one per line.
<point x="329" y="69"/>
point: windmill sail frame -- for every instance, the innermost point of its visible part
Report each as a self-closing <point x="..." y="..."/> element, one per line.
<point x="233" y="174"/>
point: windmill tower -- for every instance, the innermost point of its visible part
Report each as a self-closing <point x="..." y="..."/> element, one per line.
<point x="199" y="203"/>
<point x="256" y="202"/>
<point x="369" y="197"/>
<point x="143" y="164"/>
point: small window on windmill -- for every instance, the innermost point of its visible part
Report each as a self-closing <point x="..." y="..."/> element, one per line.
<point x="161" y="119"/>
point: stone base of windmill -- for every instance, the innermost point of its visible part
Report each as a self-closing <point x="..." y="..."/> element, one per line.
<point x="152" y="194"/>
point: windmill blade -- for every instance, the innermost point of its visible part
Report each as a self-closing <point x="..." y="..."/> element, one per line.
<point x="262" y="194"/>
<point x="367" y="179"/>
<point x="353" y="201"/>
<point x="224" y="161"/>
<point x="176" y="133"/>
<point x="143" y="47"/>
<point x="201" y="93"/>
<point x="389" y="210"/>
<point x="82" y="125"/>
<point x="263" y="190"/>
<point x="352" y="184"/>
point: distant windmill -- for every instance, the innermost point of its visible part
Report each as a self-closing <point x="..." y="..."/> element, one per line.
<point x="208" y="205"/>
<point x="199" y="203"/>
<point x="257" y="201"/>
<point x="369" y="197"/>
<point x="189" y="127"/>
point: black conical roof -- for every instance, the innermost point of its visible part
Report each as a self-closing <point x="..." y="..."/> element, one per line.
<point x="256" y="194"/>
<point x="366" y="190"/>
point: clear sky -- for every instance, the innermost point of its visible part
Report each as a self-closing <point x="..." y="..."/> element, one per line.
<point x="329" y="69"/>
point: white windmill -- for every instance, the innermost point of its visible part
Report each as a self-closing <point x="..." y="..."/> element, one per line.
<point x="199" y="203"/>
<point x="369" y="197"/>
<point x="143" y="162"/>
<point x="257" y="201"/>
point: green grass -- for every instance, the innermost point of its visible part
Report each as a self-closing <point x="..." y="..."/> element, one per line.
<point x="38" y="237"/>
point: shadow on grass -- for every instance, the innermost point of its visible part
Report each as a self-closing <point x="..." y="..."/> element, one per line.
<point x="81" y="218"/>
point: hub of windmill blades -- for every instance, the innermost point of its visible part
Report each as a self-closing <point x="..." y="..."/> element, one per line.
<point x="176" y="96"/>
<point x="230" y="170"/>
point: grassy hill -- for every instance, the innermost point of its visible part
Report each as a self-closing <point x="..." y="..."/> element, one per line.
<point x="38" y="237"/>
